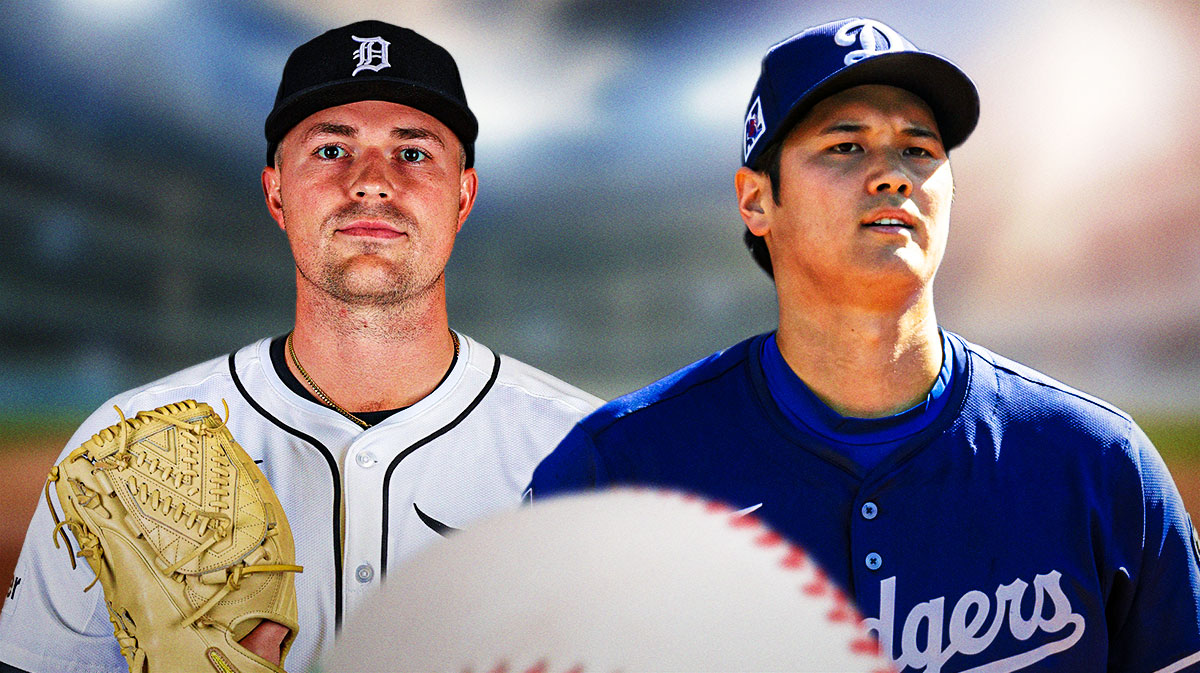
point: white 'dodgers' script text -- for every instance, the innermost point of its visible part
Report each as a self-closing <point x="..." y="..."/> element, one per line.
<point x="966" y="632"/>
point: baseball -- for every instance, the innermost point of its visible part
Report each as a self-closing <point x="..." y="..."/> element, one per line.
<point x="628" y="580"/>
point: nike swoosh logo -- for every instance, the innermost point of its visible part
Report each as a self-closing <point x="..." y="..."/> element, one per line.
<point x="434" y="525"/>
<point x="744" y="512"/>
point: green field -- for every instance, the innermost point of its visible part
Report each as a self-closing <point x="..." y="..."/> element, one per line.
<point x="1177" y="438"/>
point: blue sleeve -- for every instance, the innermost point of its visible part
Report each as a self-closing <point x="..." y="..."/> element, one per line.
<point x="573" y="466"/>
<point x="1154" y="611"/>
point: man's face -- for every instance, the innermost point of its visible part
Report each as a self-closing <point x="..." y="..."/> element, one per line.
<point x="865" y="191"/>
<point x="371" y="195"/>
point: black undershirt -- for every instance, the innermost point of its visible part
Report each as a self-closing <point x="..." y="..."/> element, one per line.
<point x="279" y="361"/>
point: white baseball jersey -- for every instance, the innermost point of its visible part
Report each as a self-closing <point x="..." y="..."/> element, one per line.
<point x="359" y="501"/>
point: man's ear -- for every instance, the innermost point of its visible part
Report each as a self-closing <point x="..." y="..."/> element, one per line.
<point x="270" y="186"/>
<point x="753" y="198"/>
<point x="467" y="188"/>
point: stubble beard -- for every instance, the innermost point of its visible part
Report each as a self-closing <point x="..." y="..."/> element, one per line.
<point x="395" y="283"/>
<point x="375" y="281"/>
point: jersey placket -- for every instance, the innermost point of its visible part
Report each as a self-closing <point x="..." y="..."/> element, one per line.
<point x="366" y="458"/>
<point x="869" y="553"/>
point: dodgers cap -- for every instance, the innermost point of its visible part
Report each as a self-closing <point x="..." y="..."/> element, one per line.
<point x="371" y="60"/>
<point x="821" y="61"/>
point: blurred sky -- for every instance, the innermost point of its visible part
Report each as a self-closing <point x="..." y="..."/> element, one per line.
<point x="610" y="132"/>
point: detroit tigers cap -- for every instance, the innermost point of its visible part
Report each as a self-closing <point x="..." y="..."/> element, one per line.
<point x="821" y="61"/>
<point x="371" y="60"/>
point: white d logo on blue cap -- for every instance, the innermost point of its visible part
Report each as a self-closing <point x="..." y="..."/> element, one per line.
<point x="372" y="54"/>
<point x="867" y="38"/>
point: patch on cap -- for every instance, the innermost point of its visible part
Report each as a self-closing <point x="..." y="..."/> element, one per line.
<point x="756" y="126"/>
<point x="372" y="54"/>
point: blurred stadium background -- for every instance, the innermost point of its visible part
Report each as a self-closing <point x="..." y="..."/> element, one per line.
<point x="605" y="246"/>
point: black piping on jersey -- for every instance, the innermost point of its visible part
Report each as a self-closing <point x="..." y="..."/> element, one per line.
<point x="387" y="476"/>
<point x="337" y="490"/>
<point x="278" y="353"/>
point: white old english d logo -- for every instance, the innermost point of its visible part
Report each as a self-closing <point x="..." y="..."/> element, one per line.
<point x="869" y="33"/>
<point x="372" y="54"/>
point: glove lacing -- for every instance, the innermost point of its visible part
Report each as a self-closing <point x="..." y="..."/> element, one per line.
<point x="134" y="655"/>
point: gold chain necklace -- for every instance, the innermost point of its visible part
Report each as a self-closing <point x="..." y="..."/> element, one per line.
<point x="321" y="393"/>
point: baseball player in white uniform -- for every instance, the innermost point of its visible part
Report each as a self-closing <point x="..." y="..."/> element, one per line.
<point x="379" y="428"/>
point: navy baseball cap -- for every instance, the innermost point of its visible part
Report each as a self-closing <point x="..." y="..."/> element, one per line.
<point x="819" y="62"/>
<point x="371" y="60"/>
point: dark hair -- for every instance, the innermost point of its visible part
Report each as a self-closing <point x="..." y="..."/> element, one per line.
<point x="767" y="162"/>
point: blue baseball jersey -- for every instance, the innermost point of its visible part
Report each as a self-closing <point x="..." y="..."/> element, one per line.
<point x="1028" y="526"/>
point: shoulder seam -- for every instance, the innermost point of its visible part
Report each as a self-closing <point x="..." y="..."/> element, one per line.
<point x="1053" y="384"/>
<point x="564" y="392"/>
<point x="152" y="389"/>
<point x="563" y="401"/>
<point x="625" y="413"/>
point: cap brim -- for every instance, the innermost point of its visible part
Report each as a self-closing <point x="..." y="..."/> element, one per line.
<point x="945" y="88"/>
<point x="297" y="107"/>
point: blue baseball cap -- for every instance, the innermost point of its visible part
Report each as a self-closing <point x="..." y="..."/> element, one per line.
<point x="808" y="67"/>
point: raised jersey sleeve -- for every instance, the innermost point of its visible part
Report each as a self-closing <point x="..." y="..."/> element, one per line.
<point x="1154" y="609"/>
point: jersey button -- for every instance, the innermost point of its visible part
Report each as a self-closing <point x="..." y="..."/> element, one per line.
<point x="364" y="573"/>
<point x="874" y="561"/>
<point x="869" y="510"/>
<point x="365" y="459"/>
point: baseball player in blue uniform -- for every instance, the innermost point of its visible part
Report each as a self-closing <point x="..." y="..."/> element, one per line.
<point x="984" y="516"/>
<point x="379" y="428"/>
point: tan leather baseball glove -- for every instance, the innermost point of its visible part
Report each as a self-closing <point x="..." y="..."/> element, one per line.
<point x="185" y="535"/>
